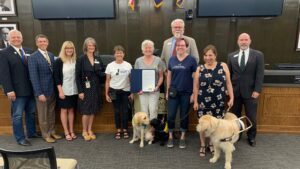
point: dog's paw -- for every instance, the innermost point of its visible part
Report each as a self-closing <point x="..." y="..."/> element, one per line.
<point x="131" y="142"/>
<point x="141" y="145"/>
<point x="150" y="142"/>
<point x="213" y="160"/>
<point x="227" y="166"/>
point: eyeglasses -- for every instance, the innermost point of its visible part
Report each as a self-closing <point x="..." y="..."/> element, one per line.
<point x="69" y="48"/>
<point x="118" y="72"/>
<point x="177" y="27"/>
<point x="180" y="45"/>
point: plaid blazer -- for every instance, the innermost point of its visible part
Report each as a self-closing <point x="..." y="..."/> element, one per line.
<point x="41" y="74"/>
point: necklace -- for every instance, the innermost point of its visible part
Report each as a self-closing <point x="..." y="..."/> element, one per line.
<point x="210" y="78"/>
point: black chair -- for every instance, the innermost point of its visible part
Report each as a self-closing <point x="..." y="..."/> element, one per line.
<point x="35" y="159"/>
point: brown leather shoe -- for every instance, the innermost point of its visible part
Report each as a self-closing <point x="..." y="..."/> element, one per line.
<point x="56" y="136"/>
<point x="49" y="140"/>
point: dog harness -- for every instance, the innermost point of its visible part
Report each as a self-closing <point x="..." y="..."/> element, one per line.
<point x="242" y="128"/>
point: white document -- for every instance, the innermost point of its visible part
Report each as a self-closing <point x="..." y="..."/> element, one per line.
<point x="148" y="80"/>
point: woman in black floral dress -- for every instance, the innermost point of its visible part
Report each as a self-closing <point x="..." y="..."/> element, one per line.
<point x="212" y="80"/>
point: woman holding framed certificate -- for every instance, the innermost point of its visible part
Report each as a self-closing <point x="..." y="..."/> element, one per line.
<point x="149" y="98"/>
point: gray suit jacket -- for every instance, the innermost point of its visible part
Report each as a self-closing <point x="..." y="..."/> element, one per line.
<point x="166" y="51"/>
<point x="251" y="78"/>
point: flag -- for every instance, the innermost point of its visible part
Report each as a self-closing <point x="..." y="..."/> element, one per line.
<point x="179" y="3"/>
<point x="158" y="3"/>
<point x="131" y="4"/>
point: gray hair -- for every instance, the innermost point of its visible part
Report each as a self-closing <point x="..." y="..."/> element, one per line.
<point x="177" y="20"/>
<point x="147" y="42"/>
<point x="14" y="31"/>
<point x="85" y="43"/>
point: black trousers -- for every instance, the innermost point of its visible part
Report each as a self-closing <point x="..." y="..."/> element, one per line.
<point x="250" y="105"/>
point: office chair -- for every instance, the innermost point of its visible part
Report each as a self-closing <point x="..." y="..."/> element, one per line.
<point x="35" y="159"/>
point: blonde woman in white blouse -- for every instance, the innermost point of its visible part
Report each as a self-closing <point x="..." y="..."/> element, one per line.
<point x="64" y="76"/>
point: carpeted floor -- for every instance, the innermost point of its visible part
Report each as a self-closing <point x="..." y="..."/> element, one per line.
<point x="273" y="151"/>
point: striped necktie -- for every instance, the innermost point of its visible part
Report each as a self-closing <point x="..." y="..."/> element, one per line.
<point x="47" y="58"/>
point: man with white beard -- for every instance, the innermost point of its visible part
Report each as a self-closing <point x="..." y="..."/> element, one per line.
<point x="168" y="50"/>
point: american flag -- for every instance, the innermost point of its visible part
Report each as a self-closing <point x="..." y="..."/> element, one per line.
<point x="179" y="3"/>
<point x="131" y="4"/>
<point x="158" y="3"/>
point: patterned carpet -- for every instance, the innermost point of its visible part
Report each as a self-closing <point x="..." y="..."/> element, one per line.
<point x="273" y="151"/>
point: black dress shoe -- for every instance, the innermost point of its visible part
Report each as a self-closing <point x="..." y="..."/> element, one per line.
<point x="252" y="142"/>
<point x="24" y="143"/>
<point x="36" y="135"/>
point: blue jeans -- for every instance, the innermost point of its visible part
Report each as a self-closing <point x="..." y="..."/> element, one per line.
<point x="183" y="100"/>
<point x="121" y="107"/>
<point x="23" y="104"/>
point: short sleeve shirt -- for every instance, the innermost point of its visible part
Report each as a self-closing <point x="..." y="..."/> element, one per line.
<point x="119" y="74"/>
<point x="181" y="73"/>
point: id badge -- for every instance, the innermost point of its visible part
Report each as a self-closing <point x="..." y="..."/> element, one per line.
<point x="87" y="84"/>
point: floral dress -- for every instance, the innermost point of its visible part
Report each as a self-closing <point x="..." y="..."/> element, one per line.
<point x="212" y="91"/>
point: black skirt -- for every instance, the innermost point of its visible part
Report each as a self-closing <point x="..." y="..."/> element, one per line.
<point x="68" y="102"/>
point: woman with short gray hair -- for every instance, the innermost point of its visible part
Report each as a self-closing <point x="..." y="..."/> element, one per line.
<point x="149" y="100"/>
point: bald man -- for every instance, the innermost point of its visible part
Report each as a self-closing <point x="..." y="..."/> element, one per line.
<point x="4" y="38"/>
<point x="246" y="67"/>
<point x="3" y="7"/>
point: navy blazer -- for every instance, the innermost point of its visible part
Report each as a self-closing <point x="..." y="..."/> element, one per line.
<point x="41" y="74"/>
<point x="84" y="69"/>
<point x="250" y="79"/>
<point x="14" y="75"/>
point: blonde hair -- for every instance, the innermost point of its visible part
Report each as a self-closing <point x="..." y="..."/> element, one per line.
<point x="62" y="53"/>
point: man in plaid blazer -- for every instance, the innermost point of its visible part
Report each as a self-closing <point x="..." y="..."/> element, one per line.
<point x="40" y="66"/>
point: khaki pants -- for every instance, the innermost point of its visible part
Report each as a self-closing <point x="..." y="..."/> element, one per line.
<point x="46" y="116"/>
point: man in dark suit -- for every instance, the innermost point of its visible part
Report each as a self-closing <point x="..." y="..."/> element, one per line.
<point x="4" y="38"/>
<point x="14" y="78"/>
<point x="3" y="7"/>
<point x="246" y="67"/>
<point x="40" y="66"/>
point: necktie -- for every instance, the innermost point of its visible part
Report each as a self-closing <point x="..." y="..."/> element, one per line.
<point x="47" y="58"/>
<point x="174" y="50"/>
<point x="242" y="64"/>
<point x="24" y="59"/>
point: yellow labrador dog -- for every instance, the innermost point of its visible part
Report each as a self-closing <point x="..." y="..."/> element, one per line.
<point x="223" y="134"/>
<point x="141" y="128"/>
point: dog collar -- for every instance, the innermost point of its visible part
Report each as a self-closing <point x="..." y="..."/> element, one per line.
<point x="143" y="125"/>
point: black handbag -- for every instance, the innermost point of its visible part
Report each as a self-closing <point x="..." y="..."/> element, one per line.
<point x="172" y="92"/>
<point x="112" y="94"/>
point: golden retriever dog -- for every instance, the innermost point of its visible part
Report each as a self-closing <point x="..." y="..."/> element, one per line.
<point x="141" y="128"/>
<point x="223" y="134"/>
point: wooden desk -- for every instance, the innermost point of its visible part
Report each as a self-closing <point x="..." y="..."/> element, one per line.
<point x="278" y="111"/>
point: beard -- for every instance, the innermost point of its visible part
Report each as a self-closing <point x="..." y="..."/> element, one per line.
<point x="178" y="35"/>
<point x="244" y="47"/>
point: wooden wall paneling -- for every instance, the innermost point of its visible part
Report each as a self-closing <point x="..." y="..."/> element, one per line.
<point x="279" y="110"/>
<point x="133" y="33"/>
<point x="116" y="29"/>
<point x="70" y="32"/>
<point x="5" y="114"/>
